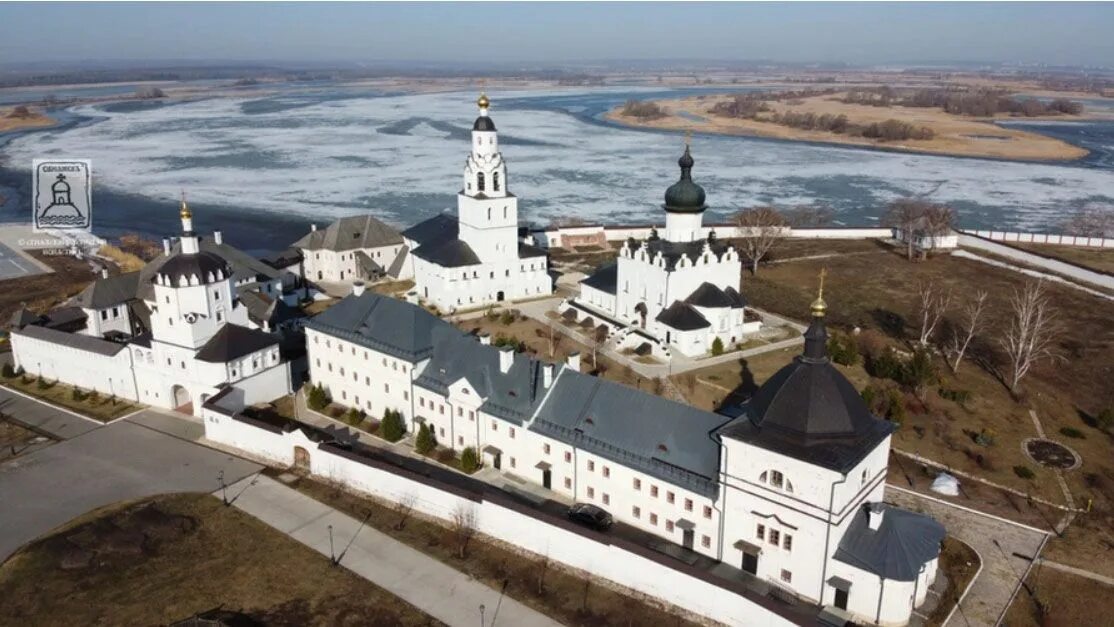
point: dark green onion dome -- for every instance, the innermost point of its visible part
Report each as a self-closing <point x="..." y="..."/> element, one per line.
<point x="684" y="196"/>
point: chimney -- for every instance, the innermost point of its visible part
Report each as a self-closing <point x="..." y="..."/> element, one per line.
<point x="506" y="358"/>
<point x="573" y="361"/>
<point x="218" y="237"/>
<point x="358" y="288"/>
<point x="313" y="227"/>
<point x="485" y="338"/>
<point x="874" y="513"/>
<point x="547" y="375"/>
<point x="166" y="246"/>
<point x="104" y="273"/>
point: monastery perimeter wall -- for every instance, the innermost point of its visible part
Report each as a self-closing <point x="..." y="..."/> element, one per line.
<point x="1093" y="277"/>
<point x="445" y="495"/>
<point x="596" y="234"/>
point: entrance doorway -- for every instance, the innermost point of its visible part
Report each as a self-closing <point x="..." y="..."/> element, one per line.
<point x="686" y="540"/>
<point x="180" y="398"/>
<point x="547" y="481"/>
<point x="301" y="458"/>
<point x="841" y="599"/>
<point x="750" y="563"/>
<point x="499" y="297"/>
<point x="640" y="309"/>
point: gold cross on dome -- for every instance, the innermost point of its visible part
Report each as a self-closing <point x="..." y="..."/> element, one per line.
<point x="823" y="273"/>
<point x="688" y="139"/>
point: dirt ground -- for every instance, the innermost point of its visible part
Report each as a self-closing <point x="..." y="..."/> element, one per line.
<point x="1052" y="598"/>
<point x="102" y="407"/>
<point x="174" y="556"/>
<point x="565" y="597"/>
<point x="954" y="134"/>
<point x="41" y="292"/>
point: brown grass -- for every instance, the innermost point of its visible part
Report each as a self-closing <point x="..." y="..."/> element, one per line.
<point x="219" y="557"/>
<point x="566" y="597"/>
<point x="1099" y="259"/>
<point x="954" y="135"/>
<point x="960" y="563"/>
<point x="1068" y="600"/>
<point x="102" y="408"/>
<point x="41" y="292"/>
<point x="127" y="262"/>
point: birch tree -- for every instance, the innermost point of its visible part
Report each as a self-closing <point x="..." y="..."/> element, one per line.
<point x="933" y="305"/>
<point x="1031" y="333"/>
<point x="759" y="229"/>
<point x="970" y="325"/>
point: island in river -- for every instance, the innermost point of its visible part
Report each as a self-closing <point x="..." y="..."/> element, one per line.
<point x="953" y="135"/>
<point x="22" y="117"/>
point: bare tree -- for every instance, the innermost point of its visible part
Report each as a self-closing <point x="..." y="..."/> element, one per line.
<point x="404" y="507"/>
<point x="933" y="305"/>
<point x="759" y="229"/>
<point x="937" y="220"/>
<point x="463" y="525"/>
<point x="1093" y="220"/>
<point x="970" y="325"/>
<point x="1030" y="335"/>
<point x="912" y="216"/>
<point x="543" y="568"/>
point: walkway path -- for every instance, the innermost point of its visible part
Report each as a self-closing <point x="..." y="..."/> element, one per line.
<point x="1033" y="273"/>
<point x="430" y="585"/>
<point x="1077" y="571"/>
<point x="56" y="421"/>
<point x="1005" y="548"/>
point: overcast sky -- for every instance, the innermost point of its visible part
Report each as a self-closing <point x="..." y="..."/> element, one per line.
<point x="1054" y="33"/>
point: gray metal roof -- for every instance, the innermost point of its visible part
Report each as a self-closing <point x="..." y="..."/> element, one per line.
<point x="606" y="279"/>
<point x="107" y="292"/>
<point x="383" y="324"/>
<point x="449" y="253"/>
<point x="903" y="543"/>
<point x="440" y="227"/>
<point x="683" y="317"/>
<point x="79" y="341"/>
<point x="349" y="233"/>
<point x="665" y="439"/>
<point x="233" y="341"/>
<point x="709" y="295"/>
<point x="244" y="266"/>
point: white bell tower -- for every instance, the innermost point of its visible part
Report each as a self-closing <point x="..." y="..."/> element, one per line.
<point x="488" y="212"/>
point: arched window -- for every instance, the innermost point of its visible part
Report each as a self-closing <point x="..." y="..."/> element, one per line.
<point x="775" y="479"/>
<point x="495" y="181"/>
<point x="504" y="211"/>
<point x="489" y="213"/>
<point x="480" y="181"/>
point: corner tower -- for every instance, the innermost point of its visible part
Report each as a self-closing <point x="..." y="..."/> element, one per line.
<point x="488" y="212"/>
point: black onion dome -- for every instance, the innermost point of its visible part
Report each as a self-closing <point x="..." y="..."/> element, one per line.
<point x="685" y="196"/>
<point x="483" y="123"/>
<point x="206" y="266"/>
<point x="809" y="398"/>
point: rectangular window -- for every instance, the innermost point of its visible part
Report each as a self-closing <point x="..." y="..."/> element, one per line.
<point x="787" y="542"/>
<point x="568" y="456"/>
<point x="707" y="511"/>
<point x="387" y="388"/>
<point x="591" y="466"/>
<point x="776" y="479"/>
<point x="606" y="499"/>
<point x="669" y="497"/>
<point x="606" y="472"/>
<point x="637" y="484"/>
<point x="421" y="401"/>
<point x="654" y="519"/>
<point x="654" y="491"/>
<point x="494" y="426"/>
<point x="786" y="576"/>
<point x="775" y="537"/>
<point x="705" y="542"/>
<point x="545" y="448"/>
<point x="568" y="483"/>
<point x="688" y="505"/>
<point x="405" y="396"/>
<point x="512" y="433"/>
<point x="636" y="512"/>
<point x="459" y="411"/>
<point x="512" y="463"/>
<point x="591" y="492"/>
<point x="761" y="532"/>
<point x="669" y="526"/>
<point x="460" y="440"/>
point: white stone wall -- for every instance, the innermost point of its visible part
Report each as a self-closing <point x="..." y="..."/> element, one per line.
<point x="101" y="321"/>
<point x="87" y="370"/>
<point x="360" y="377"/>
<point x="208" y="306"/>
<point x="344" y="267"/>
<point x="476" y="286"/>
<point x="586" y="551"/>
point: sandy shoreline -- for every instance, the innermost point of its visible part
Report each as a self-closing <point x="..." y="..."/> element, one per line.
<point x="37" y="119"/>
<point x="955" y="136"/>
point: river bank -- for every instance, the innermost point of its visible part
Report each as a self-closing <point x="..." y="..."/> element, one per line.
<point x="953" y="135"/>
<point x="10" y="120"/>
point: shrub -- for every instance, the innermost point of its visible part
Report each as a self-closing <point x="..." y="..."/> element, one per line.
<point x="1024" y="472"/>
<point x="895" y="410"/>
<point x="42" y="383"/>
<point x="8" y="371"/>
<point x="318" y="398"/>
<point x="985" y="438"/>
<point x="843" y="349"/>
<point x="77" y="395"/>
<point x="919" y="372"/>
<point x="94" y="395"/>
<point x="392" y="428"/>
<point x="426" y="440"/>
<point x="353" y="416"/>
<point x="506" y="318"/>
<point x="885" y="365"/>
<point x="469" y="461"/>
<point x="1105" y="419"/>
<point x="1072" y="432"/>
<point x="717" y="346"/>
<point x="956" y="396"/>
<point x="870" y="396"/>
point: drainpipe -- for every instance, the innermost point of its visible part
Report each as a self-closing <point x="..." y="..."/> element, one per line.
<point x="828" y="539"/>
<point x="723" y="510"/>
<point x="881" y="594"/>
<point x="916" y="585"/>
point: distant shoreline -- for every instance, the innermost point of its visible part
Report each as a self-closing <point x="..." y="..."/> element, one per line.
<point x="36" y="119"/>
<point x="955" y="136"/>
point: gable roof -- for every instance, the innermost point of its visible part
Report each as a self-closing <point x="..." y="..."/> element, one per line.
<point x="108" y="291"/>
<point x="349" y="233"/>
<point x="449" y="253"/>
<point x="79" y="341"/>
<point x="668" y="440"/>
<point x="440" y="227"/>
<point x="383" y="324"/>
<point x="711" y="296"/>
<point x="233" y="342"/>
<point x="903" y="542"/>
<point x="683" y="317"/>
<point x="606" y="279"/>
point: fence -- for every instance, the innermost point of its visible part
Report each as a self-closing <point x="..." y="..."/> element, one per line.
<point x="1043" y="238"/>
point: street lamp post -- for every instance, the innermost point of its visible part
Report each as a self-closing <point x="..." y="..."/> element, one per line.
<point x="482" y="623"/>
<point x="332" y="552"/>
<point x="223" y="488"/>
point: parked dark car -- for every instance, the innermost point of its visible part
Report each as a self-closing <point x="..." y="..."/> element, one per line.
<point x="590" y="516"/>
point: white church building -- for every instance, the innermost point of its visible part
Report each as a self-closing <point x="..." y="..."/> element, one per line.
<point x="479" y="259"/>
<point x="675" y="291"/>
<point x="787" y="490"/>
<point x="170" y="335"/>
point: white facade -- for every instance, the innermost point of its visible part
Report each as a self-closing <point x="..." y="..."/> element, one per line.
<point x="484" y="262"/>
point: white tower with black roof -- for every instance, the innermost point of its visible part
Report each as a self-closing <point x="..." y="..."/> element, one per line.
<point x="488" y="212"/>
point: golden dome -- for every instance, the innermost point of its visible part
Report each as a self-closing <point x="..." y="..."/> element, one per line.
<point x="185" y="213"/>
<point x="483" y="101"/>
<point x="819" y="307"/>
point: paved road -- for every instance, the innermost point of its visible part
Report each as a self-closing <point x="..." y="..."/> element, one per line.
<point x="442" y="592"/>
<point x="14" y="265"/>
<point x="998" y="544"/>
<point x="121" y="461"/>
<point x="59" y="423"/>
